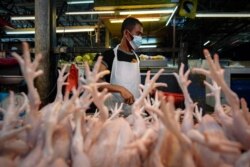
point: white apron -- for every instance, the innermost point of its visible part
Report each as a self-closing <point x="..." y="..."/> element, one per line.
<point x="125" y="74"/>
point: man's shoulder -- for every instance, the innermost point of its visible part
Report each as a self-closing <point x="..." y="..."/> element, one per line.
<point x="107" y="55"/>
<point x="108" y="52"/>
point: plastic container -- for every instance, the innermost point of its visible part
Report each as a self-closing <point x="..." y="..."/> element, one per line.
<point x="178" y="97"/>
<point x="3" y="95"/>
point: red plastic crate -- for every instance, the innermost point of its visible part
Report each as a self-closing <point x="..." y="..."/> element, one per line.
<point x="178" y="97"/>
<point x="8" y="61"/>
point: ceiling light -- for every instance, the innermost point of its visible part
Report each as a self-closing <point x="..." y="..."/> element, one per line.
<point x="22" y="18"/>
<point x="170" y="18"/>
<point x="206" y="43"/>
<point x="223" y="15"/>
<point x="90" y="12"/>
<point x="79" y="2"/>
<point x="188" y="55"/>
<point x="152" y="11"/>
<point x="235" y="41"/>
<point x="20" y="31"/>
<point x="146" y="19"/>
<point x="149" y="40"/>
<point x="58" y="30"/>
<point x="148" y="46"/>
<point x="219" y="49"/>
<point x="75" y="29"/>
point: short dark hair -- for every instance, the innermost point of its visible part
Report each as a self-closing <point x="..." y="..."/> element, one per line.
<point x="129" y="23"/>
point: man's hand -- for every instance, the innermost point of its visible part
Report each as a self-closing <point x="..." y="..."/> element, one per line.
<point x="127" y="96"/>
<point x="125" y="93"/>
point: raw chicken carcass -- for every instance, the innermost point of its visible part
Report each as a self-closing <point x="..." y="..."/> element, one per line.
<point x="61" y="134"/>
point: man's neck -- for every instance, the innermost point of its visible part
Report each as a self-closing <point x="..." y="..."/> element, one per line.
<point x="124" y="46"/>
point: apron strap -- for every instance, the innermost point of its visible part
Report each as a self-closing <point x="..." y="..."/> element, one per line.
<point x="116" y="50"/>
<point x="137" y="58"/>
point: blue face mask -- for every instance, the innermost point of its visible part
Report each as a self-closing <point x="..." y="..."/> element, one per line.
<point x="136" y="42"/>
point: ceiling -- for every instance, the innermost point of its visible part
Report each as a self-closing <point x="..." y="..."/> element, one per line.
<point x="228" y="36"/>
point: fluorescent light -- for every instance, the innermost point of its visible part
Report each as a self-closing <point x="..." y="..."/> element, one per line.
<point x="22" y="17"/>
<point x="169" y="19"/>
<point x="152" y="11"/>
<point x="72" y="29"/>
<point x="148" y="46"/>
<point x="235" y="41"/>
<point x="149" y="40"/>
<point x="146" y="19"/>
<point x="206" y="43"/>
<point x="75" y="29"/>
<point x="79" y="2"/>
<point x="90" y="12"/>
<point x="20" y="31"/>
<point x="223" y="15"/>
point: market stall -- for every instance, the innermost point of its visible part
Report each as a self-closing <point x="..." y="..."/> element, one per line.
<point x="124" y="83"/>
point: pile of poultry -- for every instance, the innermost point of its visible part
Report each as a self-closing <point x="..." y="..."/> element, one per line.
<point x="61" y="134"/>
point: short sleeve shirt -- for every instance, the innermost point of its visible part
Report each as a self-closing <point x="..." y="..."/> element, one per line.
<point x="108" y="58"/>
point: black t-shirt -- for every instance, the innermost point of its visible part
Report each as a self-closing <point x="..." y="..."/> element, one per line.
<point x="109" y="55"/>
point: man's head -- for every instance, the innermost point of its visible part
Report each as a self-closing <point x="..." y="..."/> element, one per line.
<point x="129" y="24"/>
<point x="132" y="30"/>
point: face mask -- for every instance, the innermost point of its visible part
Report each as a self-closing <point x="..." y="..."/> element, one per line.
<point x="136" y="42"/>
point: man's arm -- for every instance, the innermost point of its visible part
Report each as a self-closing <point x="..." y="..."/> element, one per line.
<point x="126" y="94"/>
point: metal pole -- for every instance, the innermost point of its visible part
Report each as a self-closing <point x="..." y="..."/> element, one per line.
<point x="107" y="38"/>
<point x="53" y="25"/>
<point x="42" y="45"/>
<point x="98" y="40"/>
<point x="182" y="56"/>
<point x="173" y="53"/>
<point x="53" y="56"/>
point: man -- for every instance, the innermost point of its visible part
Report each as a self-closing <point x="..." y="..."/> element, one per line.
<point x="123" y="64"/>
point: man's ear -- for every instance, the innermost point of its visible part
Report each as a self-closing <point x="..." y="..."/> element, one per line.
<point x="127" y="35"/>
